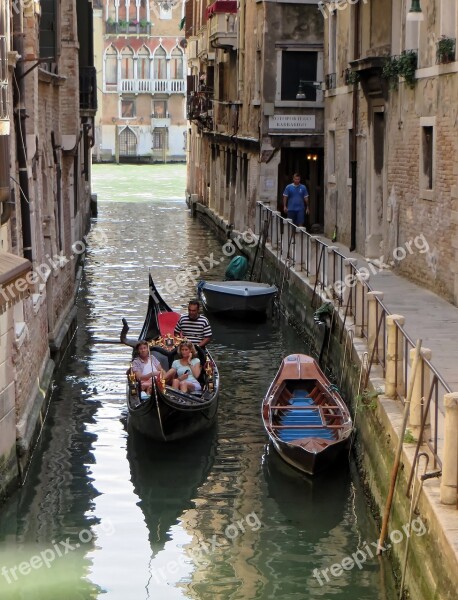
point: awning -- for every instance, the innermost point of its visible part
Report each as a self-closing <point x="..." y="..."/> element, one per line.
<point x="222" y="6"/>
<point x="13" y="283"/>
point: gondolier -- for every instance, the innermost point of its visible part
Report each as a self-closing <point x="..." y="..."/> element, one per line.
<point x="194" y="326"/>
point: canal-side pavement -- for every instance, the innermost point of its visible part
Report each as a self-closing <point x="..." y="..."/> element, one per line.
<point x="427" y="316"/>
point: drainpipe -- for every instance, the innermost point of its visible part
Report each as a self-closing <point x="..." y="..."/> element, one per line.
<point x="241" y="48"/>
<point x="354" y="151"/>
<point x="21" y="136"/>
<point x="4" y="121"/>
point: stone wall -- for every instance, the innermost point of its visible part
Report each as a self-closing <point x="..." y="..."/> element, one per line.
<point x="432" y="565"/>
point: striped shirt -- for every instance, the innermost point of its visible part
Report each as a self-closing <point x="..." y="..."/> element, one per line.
<point x="195" y="330"/>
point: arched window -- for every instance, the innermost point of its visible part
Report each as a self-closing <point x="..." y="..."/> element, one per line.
<point x="176" y="64"/>
<point x="127" y="142"/>
<point x="143" y="65"/>
<point x="111" y="66"/>
<point x="127" y="63"/>
<point x="160" y="64"/>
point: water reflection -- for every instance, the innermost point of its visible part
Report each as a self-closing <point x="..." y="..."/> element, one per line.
<point x="150" y="510"/>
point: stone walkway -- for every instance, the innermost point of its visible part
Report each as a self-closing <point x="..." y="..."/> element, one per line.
<point x="427" y="316"/>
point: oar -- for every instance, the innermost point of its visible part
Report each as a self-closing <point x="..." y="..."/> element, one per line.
<point x="122" y="337"/>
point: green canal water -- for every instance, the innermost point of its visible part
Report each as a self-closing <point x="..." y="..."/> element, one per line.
<point x="105" y="514"/>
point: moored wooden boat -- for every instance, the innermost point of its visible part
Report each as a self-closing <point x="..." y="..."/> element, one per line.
<point x="239" y="298"/>
<point x="305" y="417"/>
<point x="169" y="414"/>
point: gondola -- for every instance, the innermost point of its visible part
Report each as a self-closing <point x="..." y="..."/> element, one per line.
<point x="169" y="414"/>
<point x="236" y="298"/>
<point x="305" y="417"/>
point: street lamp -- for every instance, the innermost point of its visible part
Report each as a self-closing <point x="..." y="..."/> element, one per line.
<point x="415" y="13"/>
<point x="301" y="95"/>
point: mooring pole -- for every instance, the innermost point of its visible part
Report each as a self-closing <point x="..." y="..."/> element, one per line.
<point x="397" y="459"/>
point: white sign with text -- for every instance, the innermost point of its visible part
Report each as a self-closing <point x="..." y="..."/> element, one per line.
<point x="292" y="122"/>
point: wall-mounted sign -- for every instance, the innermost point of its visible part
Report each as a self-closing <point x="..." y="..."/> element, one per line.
<point x="292" y="122"/>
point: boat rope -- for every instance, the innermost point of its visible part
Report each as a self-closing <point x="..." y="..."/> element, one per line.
<point x="347" y="349"/>
<point x="262" y="240"/>
<point x="363" y="368"/>
<point x="288" y="261"/>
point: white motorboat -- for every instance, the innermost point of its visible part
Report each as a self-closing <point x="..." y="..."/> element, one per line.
<point x="241" y="297"/>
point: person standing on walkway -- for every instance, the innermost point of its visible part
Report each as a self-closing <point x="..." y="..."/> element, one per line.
<point x="194" y="326"/>
<point x="296" y="201"/>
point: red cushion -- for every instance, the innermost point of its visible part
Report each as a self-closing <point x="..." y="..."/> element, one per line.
<point x="167" y="322"/>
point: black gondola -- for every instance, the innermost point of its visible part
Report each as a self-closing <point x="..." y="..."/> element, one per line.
<point x="169" y="414"/>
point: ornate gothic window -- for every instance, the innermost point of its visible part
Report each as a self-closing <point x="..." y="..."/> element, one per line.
<point x="143" y="65"/>
<point x="111" y="67"/>
<point x="127" y="63"/>
<point x="160" y="64"/>
<point x="176" y="64"/>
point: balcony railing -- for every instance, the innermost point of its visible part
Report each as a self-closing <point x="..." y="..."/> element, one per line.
<point x="122" y="28"/>
<point x="152" y="86"/>
<point x="88" y="88"/>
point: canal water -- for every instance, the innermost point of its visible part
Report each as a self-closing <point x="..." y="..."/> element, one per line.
<point x="106" y="514"/>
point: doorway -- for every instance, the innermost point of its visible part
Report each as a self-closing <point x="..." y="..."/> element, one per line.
<point x="308" y="162"/>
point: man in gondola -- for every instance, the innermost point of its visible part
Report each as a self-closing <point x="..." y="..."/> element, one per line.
<point x="194" y="326"/>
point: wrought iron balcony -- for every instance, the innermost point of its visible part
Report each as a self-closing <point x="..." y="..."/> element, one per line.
<point x="88" y="88"/>
<point x="200" y="109"/>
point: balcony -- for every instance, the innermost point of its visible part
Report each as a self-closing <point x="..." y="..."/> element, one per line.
<point x="127" y="28"/>
<point x="152" y="86"/>
<point x="200" y="109"/>
<point x="222" y="24"/>
<point x="88" y="89"/>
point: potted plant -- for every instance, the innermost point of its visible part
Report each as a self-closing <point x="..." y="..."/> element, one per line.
<point x="407" y="65"/>
<point x="144" y="23"/>
<point x="122" y="23"/>
<point x="446" y="49"/>
<point x="404" y="66"/>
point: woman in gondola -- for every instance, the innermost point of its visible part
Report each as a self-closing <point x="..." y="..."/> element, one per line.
<point x="186" y="369"/>
<point x="146" y="366"/>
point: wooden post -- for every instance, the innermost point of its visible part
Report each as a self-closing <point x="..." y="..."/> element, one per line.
<point x="394" y="356"/>
<point x="418" y="398"/>
<point x="373" y="316"/>
<point x="449" y="482"/>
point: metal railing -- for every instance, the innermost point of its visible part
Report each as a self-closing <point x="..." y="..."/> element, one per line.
<point x="152" y="86"/>
<point x="336" y="277"/>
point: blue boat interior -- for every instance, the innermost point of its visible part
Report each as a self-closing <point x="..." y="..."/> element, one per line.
<point x="305" y="418"/>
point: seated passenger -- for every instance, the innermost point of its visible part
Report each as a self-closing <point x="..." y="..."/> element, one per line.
<point x="186" y="369"/>
<point x="146" y="366"/>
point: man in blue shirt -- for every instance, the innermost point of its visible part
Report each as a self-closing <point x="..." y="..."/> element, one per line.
<point x="296" y="201"/>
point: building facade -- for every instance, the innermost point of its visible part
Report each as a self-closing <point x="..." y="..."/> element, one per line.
<point x="140" y="55"/>
<point x="47" y="108"/>
<point x="255" y="104"/>
<point x="392" y="135"/>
